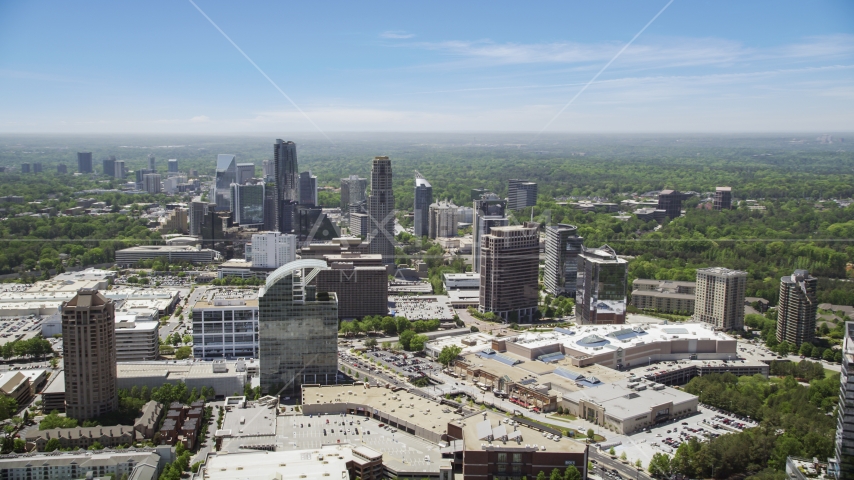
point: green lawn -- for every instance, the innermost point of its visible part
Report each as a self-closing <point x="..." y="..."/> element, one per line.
<point x="564" y="416"/>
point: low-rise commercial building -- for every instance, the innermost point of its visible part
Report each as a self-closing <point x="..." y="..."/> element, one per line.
<point x="138" y="464"/>
<point x="223" y="376"/>
<point x="136" y="341"/>
<point x="630" y="405"/>
<point x="173" y="253"/>
<point x="225" y="324"/>
<point x="666" y="296"/>
<point x="461" y="281"/>
<point x="16" y="386"/>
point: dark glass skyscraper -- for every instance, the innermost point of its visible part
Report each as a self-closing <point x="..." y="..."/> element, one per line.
<point x="381" y="210"/>
<point x="298" y="329"/>
<point x="226" y="174"/>
<point x="287" y="182"/>
<point x="247" y="204"/>
<point x="84" y="162"/>
<point x="423" y="200"/>
<point x="562" y="248"/>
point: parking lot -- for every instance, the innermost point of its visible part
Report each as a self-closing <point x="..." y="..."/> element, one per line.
<point x="304" y="432"/>
<point x="23" y="328"/>
<point x="405" y="363"/>
<point x="666" y="438"/>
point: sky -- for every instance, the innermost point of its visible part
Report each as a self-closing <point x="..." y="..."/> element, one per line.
<point x="161" y="66"/>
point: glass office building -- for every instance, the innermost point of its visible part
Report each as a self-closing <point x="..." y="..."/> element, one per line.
<point x="298" y="329"/>
<point x="247" y="204"/>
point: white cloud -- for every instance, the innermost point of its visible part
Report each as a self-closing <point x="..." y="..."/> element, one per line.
<point x="396" y="34"/>
<point x="656" y="52"/>
<point x="200" y="119"/>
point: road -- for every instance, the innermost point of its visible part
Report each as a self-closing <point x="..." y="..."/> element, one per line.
<point x="603" y="461"/>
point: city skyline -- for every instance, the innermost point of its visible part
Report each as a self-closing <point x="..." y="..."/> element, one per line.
<point x="713" y="67"/>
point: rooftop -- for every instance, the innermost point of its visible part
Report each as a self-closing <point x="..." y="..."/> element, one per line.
<point x="327" y="461"/>
<point x="487" y="430"/>
<point x="621" y="400"/>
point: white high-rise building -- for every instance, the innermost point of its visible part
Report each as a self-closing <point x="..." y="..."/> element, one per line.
<point x="720" y="297"/>
<point x="151" y="183"/>
<point x="271" y="250"/>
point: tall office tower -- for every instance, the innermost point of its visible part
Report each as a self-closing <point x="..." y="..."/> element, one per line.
<point x="140" y="177"/>
<point x="211" y="228"/>
<point x="843" y="465"/>
<point x="287" y="182"/>
<point x="84" y="162"/>
<point x="271" y="212"/>
<point x="489" y="211"/>
<point x="521" y="194"/>
<point x="172" y="165"/>
<point x="245" y="172"/>
<point x="307" y="188"/>
<point x="723" y="198"/>
<point x="298" y="329"/>
<point x="360" y="281"/>
<point x="601" y="287"/>
<point x="37" y="167"/>
<point x="197" y="212"/>
<point x="151" y="164"/>
<point x="151" y="183"/>
<point x="797" y="308"/>
<point x="381" y="210"/>
<point x="62" y="168"/>
<point x="89" y="351"/>
<point x="423" y="202"/>
<point x="671" y="202"/>
<point x="720" y="297"/>
<point x="271" y="250"/>
<point x="562" y="248"/>
<point x="109" y="166"/>
<point x="353" y="191"/>
<point x="443" y="218"/>
<point x="247" y="204"/>
<point x="269" y="169"/>
<point x="509" y="272"/>
<point x="25" y="168"/>
<point x="226" y="174"/>
<point x="312" y="225"/>
<point x="120" y="170"/>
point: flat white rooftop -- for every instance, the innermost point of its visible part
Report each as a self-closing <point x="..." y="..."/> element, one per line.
<point x="325" y="462"/>
<point x="592" y="338"/>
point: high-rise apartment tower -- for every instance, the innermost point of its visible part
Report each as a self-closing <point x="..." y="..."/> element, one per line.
<point x="720" y="297"/>
<point x="89" y="355"/>
<point x="797" y="309"/>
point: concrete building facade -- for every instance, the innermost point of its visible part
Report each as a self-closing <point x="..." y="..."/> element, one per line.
<point x="271" y="250"/>
<point x="720" y="297"/>
<point x="510" y="271"/>
<point x="723" y="198"/>
<point x="443" y="220"/>
<point x="666" y="296"/>
<point x="89" y="348"/>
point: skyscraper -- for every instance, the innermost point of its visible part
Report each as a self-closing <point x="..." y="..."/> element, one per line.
<point x="521" y="194"/>
<point x="423" y="200"/>
<point x="443" y="218"/>
<point x="25" y="167"/>
<point x="797" y="309"/>
<point x="307" y="189"/>
<point x="843" y="464"/>
<point x="172" y="165"/>
<point x="353" y="191"/>
<point x="271" y="250"/>
<point x="381" y="210"/>
<point x="723" y="198"/>
<point x="671" y="202"/>
<point x="198" y="211"/>
<point x="271" y="210"/>
<point x="269" y="169"/>
<point x="561" y="270"/>
<point x="84" y="162"/>
<point x="287" y="183"/>
<point x="245" y="172"/>
<point x="247" y="204"/>
<point x="120" y="170"/>
<point x="89" y="351"/>
<point x="151" y="183"/>
<point x="226" y="174"/>
<point x="298" y="329"/>
<point x="37" y="167"/>
<point x="151" y="163"/>
<point x="109" y="166"/>
<point x="509" y="272"/>
<point x="489" y="211"/>
<point x="601" y="287"/>
<point x="720" y="297"/>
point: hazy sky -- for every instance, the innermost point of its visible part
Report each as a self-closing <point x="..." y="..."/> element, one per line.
<point x="160" y="66"/>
